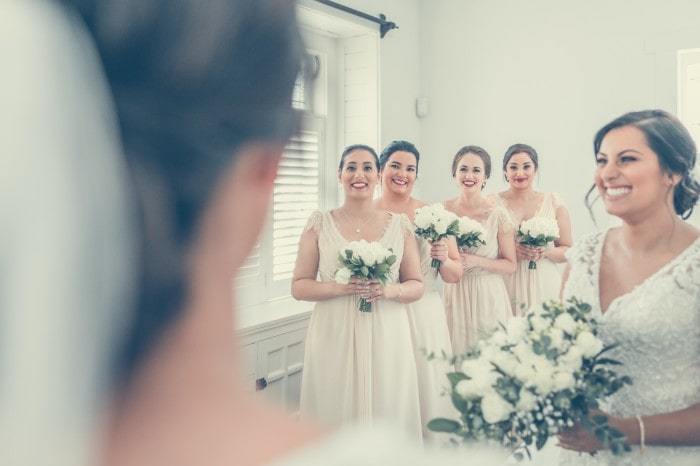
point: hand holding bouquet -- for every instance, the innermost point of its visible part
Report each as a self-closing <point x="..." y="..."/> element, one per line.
<point x="542" y="372"/>
<point x="471" y="233"/>
<point x="434" y="222"/>
<point x="364" y="260"/>
<point x="537" y="232"/>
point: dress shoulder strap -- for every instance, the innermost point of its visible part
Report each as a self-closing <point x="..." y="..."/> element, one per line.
<point x="406" y="225"/>
<point x="314" y="222"/>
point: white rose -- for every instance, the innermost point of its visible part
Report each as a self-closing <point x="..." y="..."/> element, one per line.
<point x="566" y="323"/>
<point x="499" y="338"/>
<point x="543" y="381"/>
<point x="441" y="225"/>
<point x="539" y="323"/>
<point x="516" y="328"/>
<point x="506" y="362"/>
<point x="343" y="275"/>
<point x="366" y="252"/>
<point x="477" y="368"/>
<point x="423" y="219"/>
<point x="563" y="380"/>
<point x="379" y="251"/>
<point x="540" y="226"/>
<point x="589" y="344"/>
<point x="523" y="351"/>
<point x="495" y="408"/>
<point x="527" y="401"/>
<point x="524" y="373"/>
<point x="482" y="377"/>
<point x="557" y="336"/>
<point x="571" y="360"/>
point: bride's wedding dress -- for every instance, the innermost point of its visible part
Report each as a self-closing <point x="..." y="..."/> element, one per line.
<point x="657" y="326"/>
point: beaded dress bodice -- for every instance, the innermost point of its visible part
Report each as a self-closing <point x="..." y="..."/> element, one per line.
<point x="657" y="327"/>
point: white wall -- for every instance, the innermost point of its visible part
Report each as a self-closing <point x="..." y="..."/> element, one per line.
<point x="545" y="72"/>
<point x="400" y="69"/>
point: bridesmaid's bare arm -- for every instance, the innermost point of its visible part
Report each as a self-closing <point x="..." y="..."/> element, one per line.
<point x="305" y="286"/>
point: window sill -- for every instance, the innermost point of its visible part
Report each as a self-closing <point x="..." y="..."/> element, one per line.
<point x="260" y="317"/>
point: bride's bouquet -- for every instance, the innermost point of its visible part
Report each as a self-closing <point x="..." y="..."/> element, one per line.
<point x="540" y="373"/>
<point x="471" y="233"/>
<point x="434" y="222"/>
<point x="364" y="260"/>
<point x="537" y="231"/>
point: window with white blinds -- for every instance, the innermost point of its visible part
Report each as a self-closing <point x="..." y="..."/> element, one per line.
<point x="267" y="272"/>
<point x="296" y="195"/>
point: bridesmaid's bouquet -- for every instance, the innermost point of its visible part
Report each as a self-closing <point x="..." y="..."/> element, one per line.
<point x="537" y="231"/>
<point x="471" y="233"/>
<point x="365" y="260"/>
<point x="434" y="222"/>
<point x="543" y="371"/>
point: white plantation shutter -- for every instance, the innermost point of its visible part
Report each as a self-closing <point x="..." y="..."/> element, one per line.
<point x="267" y="272"/>
<point x="296" y="195"/>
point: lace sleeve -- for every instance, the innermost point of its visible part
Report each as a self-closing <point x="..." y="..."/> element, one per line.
<point x="406" y="226"/>
<point x="314" y="223"/>
<point x="583" y="250"/>
<point x="557" y="201"/>
<point x="505" y="222"/>
<point x="495" y="199"/>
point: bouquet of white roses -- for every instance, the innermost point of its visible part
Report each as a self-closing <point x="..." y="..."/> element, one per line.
<point x="471" y="233"/>
<point x="364" y="260"/>
<point x="541" y="372"/>
<point x="537" y="231"/>
<point x="434" y="222"/>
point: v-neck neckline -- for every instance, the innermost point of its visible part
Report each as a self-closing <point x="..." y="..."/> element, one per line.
<point x="614" y="303"/>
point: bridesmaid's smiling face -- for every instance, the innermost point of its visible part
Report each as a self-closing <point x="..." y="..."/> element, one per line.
<point x="629" y="177"/>
<point x="470" y="173"/>
<point x="400" y="172"/>
<point x="359" y="175"/>
<point x="520" y="171"/>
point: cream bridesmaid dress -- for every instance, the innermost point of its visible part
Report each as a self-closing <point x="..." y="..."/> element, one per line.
<point x="430" y="335"/>
<point x="530" y="287"/>
<point x="359" y="366"/>
<point x="479" y="302"/>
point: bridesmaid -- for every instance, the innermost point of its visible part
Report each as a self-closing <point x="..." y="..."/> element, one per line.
<point x="479" y="301"/>
<point x="529" y="287"/>
<point x="399" y="170"/>
<point x="358" y="366"/>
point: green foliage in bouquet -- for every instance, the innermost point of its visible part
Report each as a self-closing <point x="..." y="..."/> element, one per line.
<point x="359" y="269"/>
<point x="367" y="261"/>
<point x="542" y="372"/>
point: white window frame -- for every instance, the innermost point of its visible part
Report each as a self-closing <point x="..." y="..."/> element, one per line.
<point x="332" y="39"/>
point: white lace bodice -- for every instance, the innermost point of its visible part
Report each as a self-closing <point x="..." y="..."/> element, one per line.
<point x="657" y="326"/>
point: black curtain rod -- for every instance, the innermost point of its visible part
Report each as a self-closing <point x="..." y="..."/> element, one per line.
<point x="384" y="25"/>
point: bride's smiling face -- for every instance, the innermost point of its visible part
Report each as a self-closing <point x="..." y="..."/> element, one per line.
<point x="629" y="177"/>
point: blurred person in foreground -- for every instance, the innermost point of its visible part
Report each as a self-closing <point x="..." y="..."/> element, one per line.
<point x="201" y="92"/>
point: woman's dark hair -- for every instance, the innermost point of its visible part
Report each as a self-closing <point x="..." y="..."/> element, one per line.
<point x="353" y="148"/>
<point x="672" y="144"/>
<point x="518" y="148"/>
<point x="192" y="82"/>
<point x="476" y="150"/>
<point x="396" y="146"/>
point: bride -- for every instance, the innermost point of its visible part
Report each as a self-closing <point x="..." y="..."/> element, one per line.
<point x="643" y="281"/>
